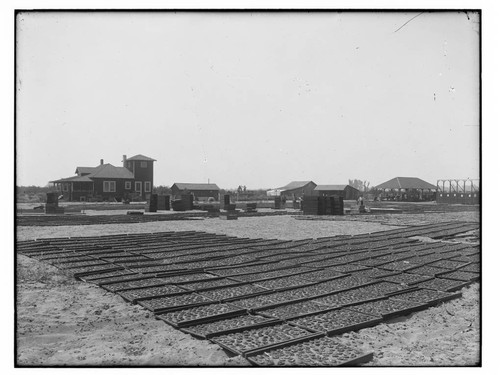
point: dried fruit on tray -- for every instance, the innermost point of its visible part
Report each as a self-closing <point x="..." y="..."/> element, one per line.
<point x="135" y="284"/>
<point x="252" y="339"/>
<point x="231" y="292"/>
<point x="282" y="282"/>
<point x="207" y="284"/>
<point x="164" y="303"/>
<point x="460" y="275"/>
<point x="334" y="321"/>
<point x="135" y="294"/>
<point x="292" y="310"/>
<point x="406" y="278"/>
<point x="386" y="307"/>
<point x="212" y="328"/>
<point x="199" y="312"/>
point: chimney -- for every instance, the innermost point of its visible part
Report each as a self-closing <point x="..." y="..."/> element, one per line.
<point x="124" y="161"/>
<point x="102" y="161"/>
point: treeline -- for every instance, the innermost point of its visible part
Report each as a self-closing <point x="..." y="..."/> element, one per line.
<point x="32" y="194"/>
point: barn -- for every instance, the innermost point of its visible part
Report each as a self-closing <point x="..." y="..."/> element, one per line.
<point x="345" y="191"/>
<point x="199" y="191"/>
<point x="297" y="189"/>
<point x="410" y="189"/>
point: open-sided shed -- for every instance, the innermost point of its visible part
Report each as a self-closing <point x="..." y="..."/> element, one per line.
<point x="411" y="189"/>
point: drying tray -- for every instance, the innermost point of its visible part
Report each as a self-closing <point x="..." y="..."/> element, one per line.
<point x="232" y="330"/>
<point x="414" y="306"/>
<point x="134" y="300"/>
<point x="435" y="301"/>
<point x="352" y="362"/>
<point x="109" y="287"/>
<point x="160" y="310"/>
<point x="82" y="272"/>
<point x="236" y="283"/>
<point x="454" y="285"/>
<point x="244" y="353"/>
<point x="460" y="275"/>
<point x="205" y="319"/>
<point x="337" y="331"/>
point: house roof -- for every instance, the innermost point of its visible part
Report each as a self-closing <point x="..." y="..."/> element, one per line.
<point x="110" y="171"/>
<point x="295" y="185"/>
<point x="405" y="183"/>
<point x="141" y="157"/>
<point x="73" y="179"/>
<point x="331" y="187"/>
<point x="190" y="186"/>
<point x="85" y="170"/>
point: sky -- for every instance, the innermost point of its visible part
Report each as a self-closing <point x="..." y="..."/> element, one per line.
<point x="249" y="98"/>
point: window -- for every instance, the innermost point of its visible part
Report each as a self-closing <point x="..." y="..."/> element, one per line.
<point x="109" y="186"/>
<point x="144" y="164"/>
<point x="138" y="186"/>
<point x="65" y="187"/>
<point x="147" y="186"/>
<point x="128" y="185"/>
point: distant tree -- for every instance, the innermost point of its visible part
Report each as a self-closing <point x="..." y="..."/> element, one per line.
<point x="362" y="186"/>
<point x="162" y="190"/>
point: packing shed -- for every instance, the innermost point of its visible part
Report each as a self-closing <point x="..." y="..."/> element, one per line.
<point x="199" y="191"/>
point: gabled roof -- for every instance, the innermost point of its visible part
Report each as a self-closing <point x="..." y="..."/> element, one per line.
<point x="140" y="157"/>
<point x="193" y="187"/>
<point x="295" y="185"/>
<point x="110" y="171"/>
<point x="405" y="183"/>
<point x="73" y="179"/>
<point x="84" y="170"/>
<point x="331" y="187"/>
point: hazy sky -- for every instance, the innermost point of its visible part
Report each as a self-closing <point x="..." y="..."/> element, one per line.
<point x="250" y="98"/>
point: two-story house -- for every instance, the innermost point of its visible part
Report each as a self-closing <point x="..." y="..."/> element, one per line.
<point x="110" y="183"/>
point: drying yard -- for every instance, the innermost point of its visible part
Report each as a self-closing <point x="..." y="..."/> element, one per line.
<point x="263" y="290"/>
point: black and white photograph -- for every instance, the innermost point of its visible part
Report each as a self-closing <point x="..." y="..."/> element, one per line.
<point x="248" y="188"/>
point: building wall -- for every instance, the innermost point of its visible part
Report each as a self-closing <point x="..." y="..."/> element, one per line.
<point x="142" y="174"/>
<point x="329" y="193"/>
<point x="351" y="193"/>
<point x="198" y="194"/>
<point x="458" y="198"/>
<point x="120" y="192"/>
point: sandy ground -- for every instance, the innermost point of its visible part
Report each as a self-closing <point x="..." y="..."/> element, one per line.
<point x="61" y="321"/>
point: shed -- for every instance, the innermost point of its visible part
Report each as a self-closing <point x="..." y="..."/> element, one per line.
<point x="297" y="189"/>
<point x="199" y="191"/>
<point x="406" y="189"/>
<point x="345" y="191"/>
